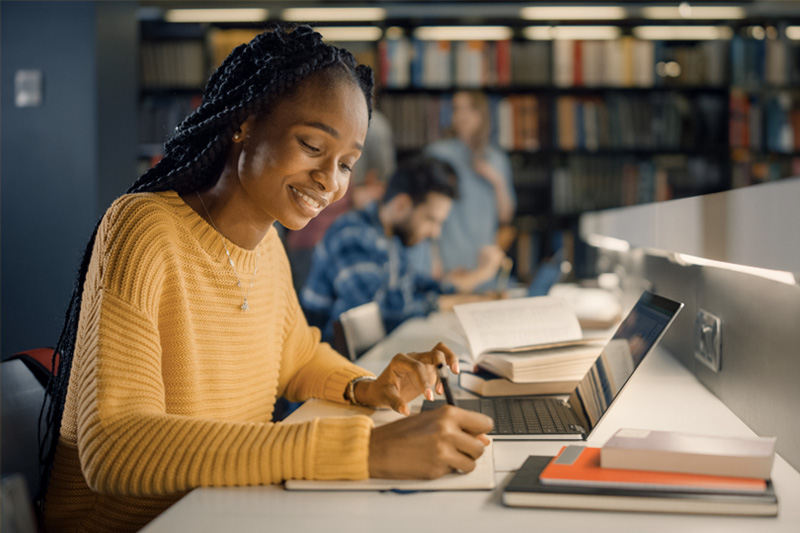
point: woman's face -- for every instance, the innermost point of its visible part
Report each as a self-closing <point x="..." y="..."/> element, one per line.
<point x="467" y="119"/>
<point x="297" y="159"/>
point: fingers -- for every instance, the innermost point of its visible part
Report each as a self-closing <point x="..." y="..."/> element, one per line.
<point x="473" y="423"/>
<point x="421" y="376"/>
<point x="395" y="402"/>
<point x="426" y="446"/>
<point x="466" y="448"/>
<point x="441" y="353"/>
<point x="450" y="358"/>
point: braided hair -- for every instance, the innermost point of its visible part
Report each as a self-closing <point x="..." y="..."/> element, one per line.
<point x="250" y="80"/>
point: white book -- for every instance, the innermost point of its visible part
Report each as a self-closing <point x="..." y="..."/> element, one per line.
<point x="518" y="324"/>
<point x="569" y="363"/>
<point x="669" y="451"/>
<point x="518" y="339"/>
<point x="505" y="124"/>
<point x="644" y="63"/>
<point x="613" y="59"/>
<point x="563" y="62"/>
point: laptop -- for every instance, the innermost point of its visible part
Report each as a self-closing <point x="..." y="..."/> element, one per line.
<point x="548" y="274"/>
<point x="552" y="418"/>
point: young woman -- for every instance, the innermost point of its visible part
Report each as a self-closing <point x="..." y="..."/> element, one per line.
<point x="184" y="327"/>
<point x="467" y="248"/>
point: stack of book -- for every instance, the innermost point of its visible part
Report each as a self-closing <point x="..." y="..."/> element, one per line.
<point x="530" y="346"/>
<point x="653" y="471"/>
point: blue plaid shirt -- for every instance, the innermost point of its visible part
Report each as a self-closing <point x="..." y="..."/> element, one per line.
<point x="356" y="263"/>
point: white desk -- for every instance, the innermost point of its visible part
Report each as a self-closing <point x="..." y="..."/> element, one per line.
<point x="661" y="395"/>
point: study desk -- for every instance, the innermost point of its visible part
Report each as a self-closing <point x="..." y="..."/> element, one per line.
<point x="662" y="394"/>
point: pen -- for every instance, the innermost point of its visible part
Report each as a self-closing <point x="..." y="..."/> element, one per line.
<point x="448" y="394"/>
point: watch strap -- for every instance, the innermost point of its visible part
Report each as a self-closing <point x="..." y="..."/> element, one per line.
<point x="350" y="391"/>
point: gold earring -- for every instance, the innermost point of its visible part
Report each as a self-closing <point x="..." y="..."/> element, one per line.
<point x="237" y="136"/>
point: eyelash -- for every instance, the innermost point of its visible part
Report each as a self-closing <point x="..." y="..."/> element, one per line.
<point x="314" y="149"/>
<point x="308" y="146"/>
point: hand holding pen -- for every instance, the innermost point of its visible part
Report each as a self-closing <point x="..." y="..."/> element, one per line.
<point x="432" y="443"/>
<point x="445" y="381"/>
<point x="406" y="376"/>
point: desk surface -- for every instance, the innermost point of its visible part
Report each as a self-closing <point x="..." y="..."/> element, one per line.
<point x="662" y="394"/>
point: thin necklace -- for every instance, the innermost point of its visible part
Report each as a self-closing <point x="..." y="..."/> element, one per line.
<point x="245" y="306"/>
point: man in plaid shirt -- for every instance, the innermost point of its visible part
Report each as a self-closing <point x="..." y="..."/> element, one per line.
<point x="364" y="254"/>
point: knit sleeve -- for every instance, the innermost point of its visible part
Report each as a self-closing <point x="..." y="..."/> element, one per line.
<point x="310" y="368"/>
<point x="129" y="444"/>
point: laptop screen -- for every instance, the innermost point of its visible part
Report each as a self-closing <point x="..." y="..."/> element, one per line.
<point x="548" y="274"/>
<point x="636" y="336"/>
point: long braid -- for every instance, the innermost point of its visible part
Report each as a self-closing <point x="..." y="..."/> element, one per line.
<point x="247" y="83"/>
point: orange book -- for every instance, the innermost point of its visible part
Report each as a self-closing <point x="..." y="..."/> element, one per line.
<point x="577" y="64"/>
<point x="503" y="63"/>
<point x="580" y="466"/>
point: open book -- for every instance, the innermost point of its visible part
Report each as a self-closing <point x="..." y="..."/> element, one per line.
<point x="527" y="339"/>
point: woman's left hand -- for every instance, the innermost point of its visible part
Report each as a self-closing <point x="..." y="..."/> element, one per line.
<point x="405" y="378"/>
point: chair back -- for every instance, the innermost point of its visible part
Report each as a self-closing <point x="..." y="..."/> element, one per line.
<point x="23" y="378"/>
<point x="359" y="329"/>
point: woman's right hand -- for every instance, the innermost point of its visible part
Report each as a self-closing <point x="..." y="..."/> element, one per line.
<point x="428" y="445"/>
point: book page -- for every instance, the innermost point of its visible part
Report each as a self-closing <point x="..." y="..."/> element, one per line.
<point x="523" y="322"/>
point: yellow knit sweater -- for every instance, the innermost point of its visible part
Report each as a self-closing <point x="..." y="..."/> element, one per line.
<point x="173" y="385"/>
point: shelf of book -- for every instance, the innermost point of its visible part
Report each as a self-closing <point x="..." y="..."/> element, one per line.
<point x="588" y="124"/>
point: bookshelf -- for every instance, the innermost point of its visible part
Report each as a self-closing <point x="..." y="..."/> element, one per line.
<point x="588" y="124"/>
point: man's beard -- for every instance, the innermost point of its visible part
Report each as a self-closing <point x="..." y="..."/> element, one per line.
<point x="405" y="233"/>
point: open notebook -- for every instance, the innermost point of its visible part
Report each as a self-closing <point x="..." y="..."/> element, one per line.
<point x="482" y="478"/>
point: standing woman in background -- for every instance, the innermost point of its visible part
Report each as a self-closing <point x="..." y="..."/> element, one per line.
<point x="468" y="243"/>
<point x="184" y="326"/>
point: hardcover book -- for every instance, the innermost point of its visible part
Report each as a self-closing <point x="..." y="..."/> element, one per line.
<point x="526" y="490"/>
<point x="526" y="339"/>
<point x="485" y="383"/>
<point x="580" y="466"/>
<point x="671" y="451"/>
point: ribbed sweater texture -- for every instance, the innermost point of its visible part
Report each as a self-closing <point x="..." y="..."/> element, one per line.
<point x="173" y="385"/>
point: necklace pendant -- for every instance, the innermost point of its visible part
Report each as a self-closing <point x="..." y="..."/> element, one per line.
<point x="245" y="306"/>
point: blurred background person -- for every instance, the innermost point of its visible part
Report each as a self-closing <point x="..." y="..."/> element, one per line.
<point x="486" y="203"/>
<point x="363" y="256"/>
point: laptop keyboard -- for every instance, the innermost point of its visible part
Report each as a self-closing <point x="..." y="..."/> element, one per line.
<point x="521" y="416"/>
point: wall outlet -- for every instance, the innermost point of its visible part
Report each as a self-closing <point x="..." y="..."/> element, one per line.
<point x="708" y="339"/>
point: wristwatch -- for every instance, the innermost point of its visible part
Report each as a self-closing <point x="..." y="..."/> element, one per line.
<point x="350" y="391"/>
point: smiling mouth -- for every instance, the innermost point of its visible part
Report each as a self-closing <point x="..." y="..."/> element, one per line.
<point x="306" y="199"/>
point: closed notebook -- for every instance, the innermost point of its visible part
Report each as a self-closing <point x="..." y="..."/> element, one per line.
<point x="671" y="451"/>
<point x="526" y="490"/>
<point x="580" y="466"/>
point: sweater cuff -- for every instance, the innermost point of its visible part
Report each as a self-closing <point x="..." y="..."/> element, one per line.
<point x="336" y="384"/>
<point x="343" y="453"/>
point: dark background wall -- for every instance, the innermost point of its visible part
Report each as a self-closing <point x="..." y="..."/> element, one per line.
<point x="64" y="161"/>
